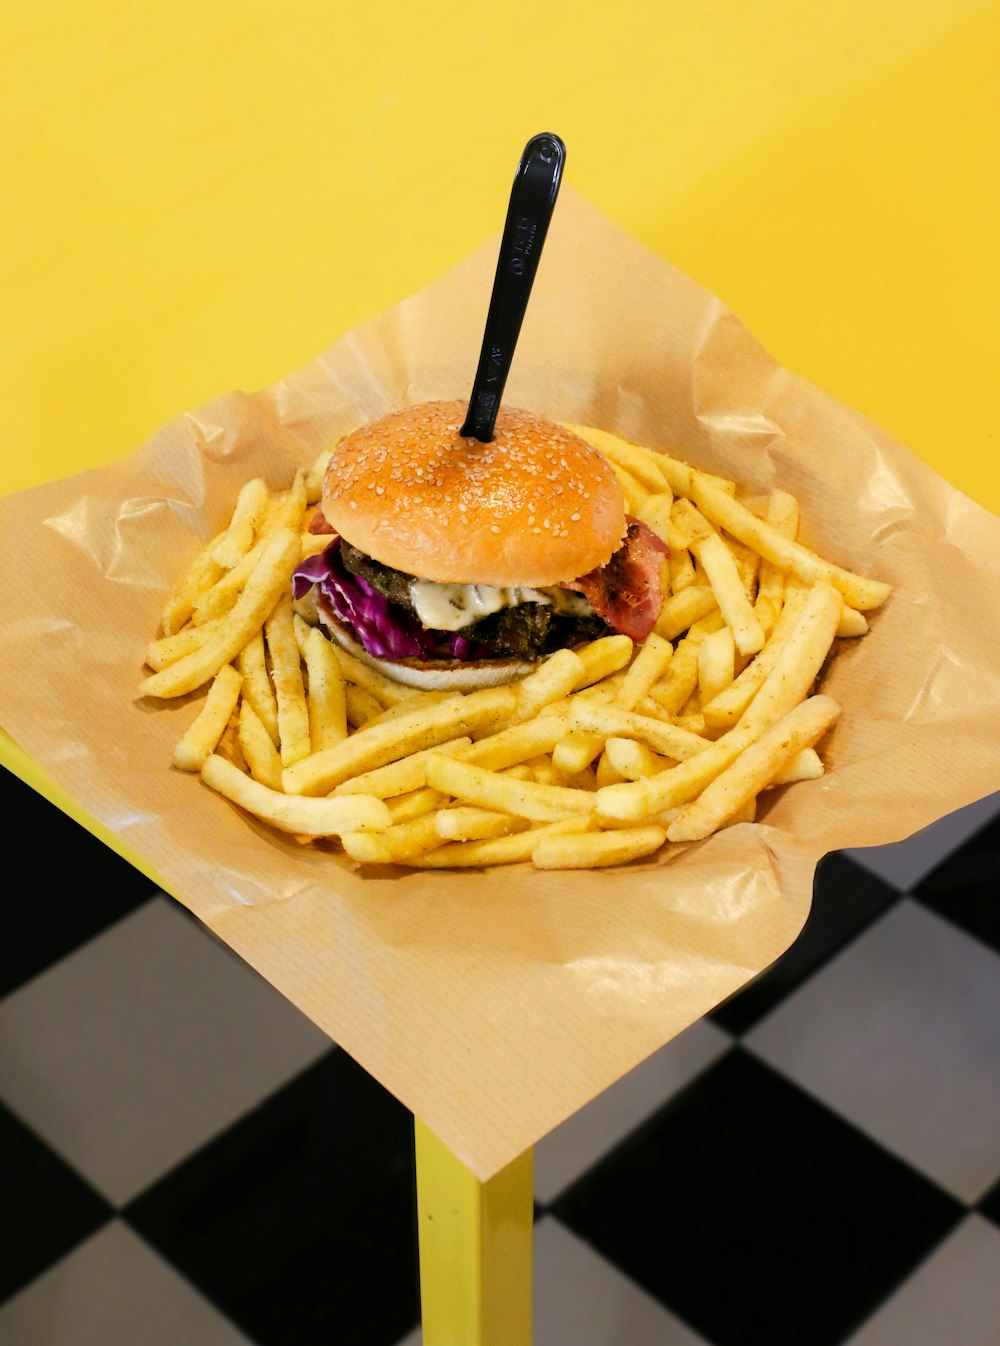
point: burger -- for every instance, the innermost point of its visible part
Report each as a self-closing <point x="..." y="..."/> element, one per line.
<point x="457" y="564"/>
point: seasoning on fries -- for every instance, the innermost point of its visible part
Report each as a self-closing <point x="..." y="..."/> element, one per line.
<point x="625" y="655"/>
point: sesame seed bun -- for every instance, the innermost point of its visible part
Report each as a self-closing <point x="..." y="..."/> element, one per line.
<point x="535" y="506"/>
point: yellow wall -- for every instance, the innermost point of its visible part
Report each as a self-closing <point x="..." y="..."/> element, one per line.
<point x="202" y="196"/>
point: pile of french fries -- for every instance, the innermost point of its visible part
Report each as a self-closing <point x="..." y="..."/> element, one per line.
<point x="602" y="755"/>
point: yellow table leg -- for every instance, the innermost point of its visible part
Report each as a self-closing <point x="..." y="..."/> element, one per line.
<point x="475" y="1249"/>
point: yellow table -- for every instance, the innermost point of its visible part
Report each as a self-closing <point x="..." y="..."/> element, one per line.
<point x="201" y="197"/>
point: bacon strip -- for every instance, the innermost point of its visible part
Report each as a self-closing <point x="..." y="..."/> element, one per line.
<point x="627" y="592"/>
<point x="318" y="522"/>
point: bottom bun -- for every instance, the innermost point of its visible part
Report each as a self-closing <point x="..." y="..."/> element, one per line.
<point x="444" y="675"/>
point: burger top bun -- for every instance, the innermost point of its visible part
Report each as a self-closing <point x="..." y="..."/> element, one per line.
<point x="535" y="506"/>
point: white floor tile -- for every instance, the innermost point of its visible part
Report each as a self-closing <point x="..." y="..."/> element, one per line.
<point x="579" y="1299"/>
<point x="144" y="1043"/>
<point x="568" y="1151"/>
<point x="905" y="863"/>
<point x="113" y="1290"/>
<point x="951" y="1300"/>
<point x="901" y="1035"/>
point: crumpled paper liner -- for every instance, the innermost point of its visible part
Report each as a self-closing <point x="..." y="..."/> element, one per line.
<point x="495" y="1004"/>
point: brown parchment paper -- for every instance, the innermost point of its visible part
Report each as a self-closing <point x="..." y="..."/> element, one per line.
<point x="495" y="1004"/>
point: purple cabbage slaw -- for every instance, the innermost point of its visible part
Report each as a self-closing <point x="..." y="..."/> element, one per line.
<point x="384" y="629"/>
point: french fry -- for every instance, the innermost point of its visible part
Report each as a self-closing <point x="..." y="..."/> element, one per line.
<point x="500" y="850"/>
<point x="416" y="803"/>
<point x="729" y="591"/>
<point x="680" y="611"/>
<point x="725" y="708"/>
<point x="807" y="765"/>
<point x="640" y="800"/>
<point x="520" y="772"/>
<point x="643" y="465"/>
<point x="648" y="666"/>
<point x="326" y="692"/>
<point x="168" y="649"/>
<point x="247" y="515"/>
<point x="687" y="523"/>
<point x="471" y="824"/>
<point x="852" y="622"/>
<point x="360" y="707"/>
<point x="788" y="682"/>
<point x="202" y="573"/>
<point x="294" y="741"/>
<point x="603" y="657"/>
<point x="315" y="475"/>
<point x="517" y="744"/>
<point x="783" y="515"/>
<point x="555" y="679"/>
<point x="312" y="543"/>
<point x="401" y="777"/>
<point x="605" y="774"/>
<point x="284" y="511"/>
<point x="585" y="779"/>
<point x="370" y="748"/>
<point x="595" y="850"/>
<point x="632" y="489"/>
<point x="229" y="745"/>
<point x="257" y="688"/>
<point x="663" y="737"/>
<point x="293" y="813"/>
<point x="655" y="512"/>
<point x="754" y="768"/>
<point x="269" y="579"/>
<point x="577" y="750"/>
<point x="398" y="844"/>
<point x="727" y="513"/>
<point x="202" y="736"/>
<point x="633" y="760"/>
<point x="799" y="662"/>
<point x="545" y="771"/>
<point x="259" y="752"/>
<point x="681" y="677"/>
<point x="490" y="790"/>
<point x="386" y="691"/>
<point x="680" y="568"/>
<point x="605" y="690"/>
<point x="745" y="814"/>
<point x="716" y="663"/>
<point x="414" y="702"/>
<point x="748" y="564"/>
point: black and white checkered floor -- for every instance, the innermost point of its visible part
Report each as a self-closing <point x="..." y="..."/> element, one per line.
<point x="185" y="1159"/>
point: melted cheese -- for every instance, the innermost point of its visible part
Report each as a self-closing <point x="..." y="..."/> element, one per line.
<point x="450" y="607"/>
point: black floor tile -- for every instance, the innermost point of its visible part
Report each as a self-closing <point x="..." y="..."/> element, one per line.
<point x="846" y="900"/>
<point x="757" y="1215"/>
<point x="965" y="886"/>
<point x="300" y="1221"/>
<point x="45" y="1207"/>
<point x="91" y="888"/>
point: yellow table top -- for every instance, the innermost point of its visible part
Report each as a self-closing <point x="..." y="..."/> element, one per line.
<point x="203" y="197"/>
